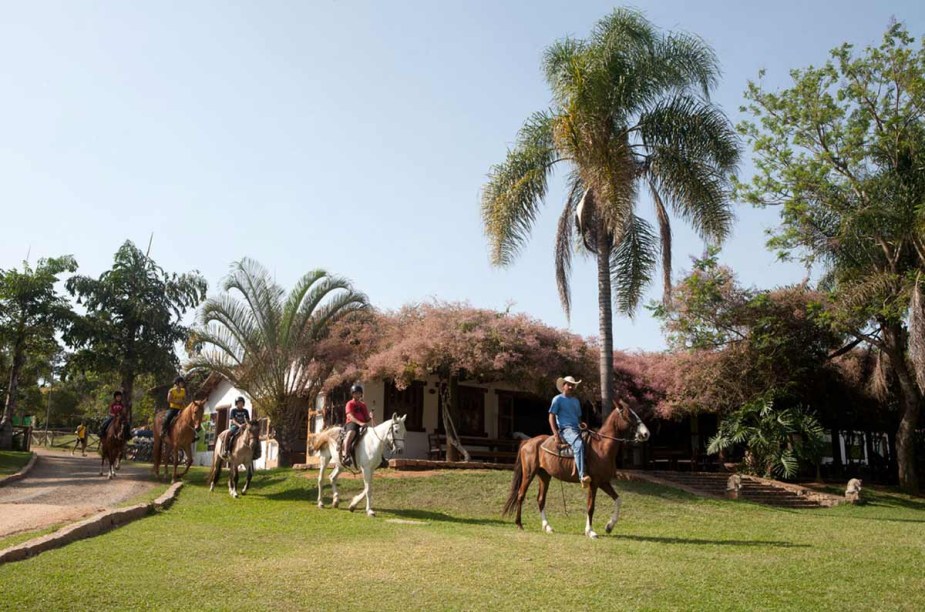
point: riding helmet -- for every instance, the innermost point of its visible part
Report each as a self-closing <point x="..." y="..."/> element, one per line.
<point x="357" y="388"/>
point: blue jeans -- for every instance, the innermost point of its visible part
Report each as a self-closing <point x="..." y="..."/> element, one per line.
<point x="572" y="437"/>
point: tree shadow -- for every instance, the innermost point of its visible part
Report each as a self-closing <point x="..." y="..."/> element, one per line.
<point x="440" y="517"/>
<point x="699" y="542"/>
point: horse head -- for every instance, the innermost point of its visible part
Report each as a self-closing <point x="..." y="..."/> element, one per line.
<point x="396" y="435"/>
<point x="631" y="420"/>
<point x="198" y="407"/>
<point x="253" y="428"/>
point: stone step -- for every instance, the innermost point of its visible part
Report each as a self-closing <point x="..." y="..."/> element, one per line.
<point x="751" y="491"/>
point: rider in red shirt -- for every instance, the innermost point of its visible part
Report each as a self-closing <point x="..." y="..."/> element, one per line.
<point x="358" y="415"/>
<point x="114" y="408"/>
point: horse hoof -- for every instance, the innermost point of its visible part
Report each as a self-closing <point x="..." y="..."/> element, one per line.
<point x="592" y="535"/>
<point x="370" y="513"/>
<point x="520" y="527"/>
<point x="608" y="528"/>
<point x="548" y="528"/>
<point x="321" y="505"/>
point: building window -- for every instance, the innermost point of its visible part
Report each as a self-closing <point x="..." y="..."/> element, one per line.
<point x="409" y="401"/>
<point x="471" y="411"/>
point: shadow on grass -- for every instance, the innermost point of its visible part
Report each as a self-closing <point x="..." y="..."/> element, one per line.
<point x="440" y="517"/>
<point x="699" y="542"/>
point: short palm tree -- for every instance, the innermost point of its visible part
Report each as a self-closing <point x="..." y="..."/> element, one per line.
<point x="270" y="344"/>
<point x="630" y="114"/>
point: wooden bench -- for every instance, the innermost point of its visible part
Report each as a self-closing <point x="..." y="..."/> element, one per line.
<point x="493" y="450"/>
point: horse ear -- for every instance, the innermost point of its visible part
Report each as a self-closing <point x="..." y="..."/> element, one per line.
<point x="403" y="417"/>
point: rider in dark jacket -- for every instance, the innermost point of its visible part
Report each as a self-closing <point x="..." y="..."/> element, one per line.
<point x="237" y="419"/>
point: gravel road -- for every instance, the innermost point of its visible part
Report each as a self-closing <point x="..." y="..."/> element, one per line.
<point x="62" y="489"/>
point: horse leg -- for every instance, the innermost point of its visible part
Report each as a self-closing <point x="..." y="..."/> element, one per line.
<point x="248" y="474"/>
<point x="543" y="486"/>
<point x="102" y="461"/>
<point x="592" y="494"/>
<point x="617" y="502"/>
<point x="322" y="463"/>
<point x="189" y="460"/>
<point x="233" y="480"/>
<point x="367" y="479"/>
<point x="334" y="475"/>
<point x="522" y="493"/>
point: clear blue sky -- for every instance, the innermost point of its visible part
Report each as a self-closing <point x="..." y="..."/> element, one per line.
<point x="348" y="135"/>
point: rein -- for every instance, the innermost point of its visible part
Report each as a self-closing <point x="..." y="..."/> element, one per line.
<point x="598" y="434"/>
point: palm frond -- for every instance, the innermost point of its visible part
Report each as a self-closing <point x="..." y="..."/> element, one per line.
<point x="632" y="262"/>
<point x="565" y="233"/>
<point x="694" y="191"/>
<point x="515" y="189"/>
<point x="664" y="230"/>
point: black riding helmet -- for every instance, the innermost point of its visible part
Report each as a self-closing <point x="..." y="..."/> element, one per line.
<point x="357" y="388"/>
<point x="239" y="400"/>
<point x="178" y="380"/>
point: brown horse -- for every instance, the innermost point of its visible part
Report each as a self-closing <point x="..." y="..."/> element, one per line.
<point x="600" y="464"/>
<point x="242" y="453"/>
<point x="112" y="445"/>
<point x="179" y="437"/>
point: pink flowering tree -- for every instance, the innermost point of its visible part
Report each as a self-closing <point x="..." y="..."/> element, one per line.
<point x="457" y="342"/>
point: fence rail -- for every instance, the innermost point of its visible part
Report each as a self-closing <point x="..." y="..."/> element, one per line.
<point x="62" y="438"/>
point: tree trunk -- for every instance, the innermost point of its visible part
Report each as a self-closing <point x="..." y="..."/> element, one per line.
<point x="837" y="465"/>
<point x="605" y="314"/>
<point x="12" y="392"/>
<point x="128" y="386"/>
<point x="910" y="401"/>
<point x="449" y="393"/>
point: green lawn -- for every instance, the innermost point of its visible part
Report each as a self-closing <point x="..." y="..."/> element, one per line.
<point x="12" y="461"/>
<point x="670" y="550"/>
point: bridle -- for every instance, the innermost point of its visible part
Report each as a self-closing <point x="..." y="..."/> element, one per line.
<point x="637" y="421"/>
<point x="390" y="438"/>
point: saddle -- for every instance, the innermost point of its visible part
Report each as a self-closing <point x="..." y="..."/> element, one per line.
<point x="339" y="446"/>
<point x="563" y="451"/>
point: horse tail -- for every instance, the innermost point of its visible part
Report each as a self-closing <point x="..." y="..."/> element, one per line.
<point x="216" y="472"/>
<point x="511" y="502"/>
<point x="317" y="441"/>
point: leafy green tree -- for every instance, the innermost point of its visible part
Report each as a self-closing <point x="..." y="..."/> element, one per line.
<point x="272" y="345"/>
<point x="31" y="312"/>
<point x="777" y="439"/>
<point x="841" y="152"/>
<point x="133" y="319"/>
<point x="630" y="114"/>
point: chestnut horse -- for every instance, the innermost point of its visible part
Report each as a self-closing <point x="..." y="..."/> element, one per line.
<point x="112" y="445"/>
<point x="242" y="453"/>
<point x="600" y="464"/>
<point x="180" y="436"/>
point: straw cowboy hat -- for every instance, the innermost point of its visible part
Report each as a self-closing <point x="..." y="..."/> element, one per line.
<point x="567" y="379"/>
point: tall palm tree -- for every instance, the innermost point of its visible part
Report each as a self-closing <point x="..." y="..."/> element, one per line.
<point x="272" y="345"/>
<point x="630" y="113"/>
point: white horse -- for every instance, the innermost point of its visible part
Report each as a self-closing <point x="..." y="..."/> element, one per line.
<point x="368" y="453"/>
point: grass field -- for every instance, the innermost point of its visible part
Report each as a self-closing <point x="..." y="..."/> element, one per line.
<point x="439" y="543"/>
<point x="12" y="461"/>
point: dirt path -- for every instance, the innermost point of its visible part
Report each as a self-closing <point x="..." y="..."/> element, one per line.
<point x="61" y="489"/>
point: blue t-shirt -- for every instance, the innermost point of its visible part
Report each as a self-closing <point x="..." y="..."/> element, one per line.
<point x="567" y="411"/>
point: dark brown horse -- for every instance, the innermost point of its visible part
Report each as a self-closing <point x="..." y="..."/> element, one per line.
<point x="181" y="434"/>
<point x="533" y="459"/>
<point x="112" y="445"/>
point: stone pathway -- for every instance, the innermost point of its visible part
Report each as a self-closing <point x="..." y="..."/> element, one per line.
<point x="61" y="489"/>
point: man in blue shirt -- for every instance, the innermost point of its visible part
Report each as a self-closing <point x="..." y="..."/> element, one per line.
<point x="565" y="422"/>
